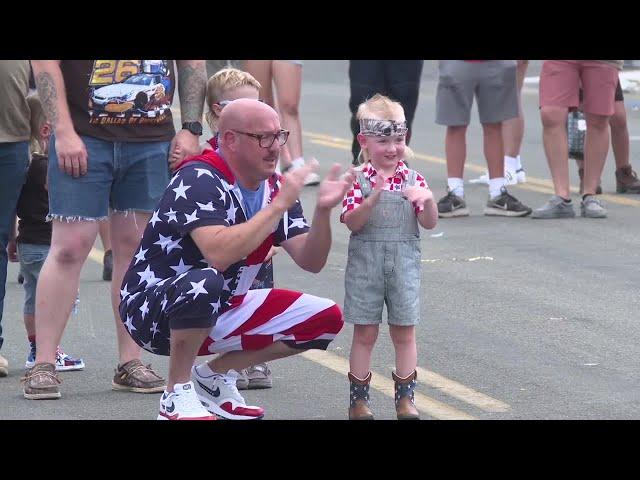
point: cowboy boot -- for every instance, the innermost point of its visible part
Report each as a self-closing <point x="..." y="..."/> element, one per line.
<point x="405" y="406"/>
<point x="359" y="398"/>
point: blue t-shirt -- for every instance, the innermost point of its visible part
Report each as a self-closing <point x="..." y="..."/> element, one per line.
<point x="252" y="199"/>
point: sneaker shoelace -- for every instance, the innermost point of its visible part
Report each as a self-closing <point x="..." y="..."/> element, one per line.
<point x="38" y="372"/>
<point x="189" y="400"/>
<point x="261" y="368"/>
<point x="143" y="368"/>
<point x="230" y="381"/>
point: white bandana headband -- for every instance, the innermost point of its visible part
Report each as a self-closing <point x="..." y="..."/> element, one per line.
<point x="372" y="127"/>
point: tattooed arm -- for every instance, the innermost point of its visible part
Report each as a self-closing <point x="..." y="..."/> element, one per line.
<point x="192" y="79"/>
<point x="70" y="150"/>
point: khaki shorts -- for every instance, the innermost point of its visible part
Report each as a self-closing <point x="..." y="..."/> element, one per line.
<point x="493" y="83"/>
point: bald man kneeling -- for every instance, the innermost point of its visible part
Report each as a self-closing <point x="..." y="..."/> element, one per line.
<point x="187" y="293"/>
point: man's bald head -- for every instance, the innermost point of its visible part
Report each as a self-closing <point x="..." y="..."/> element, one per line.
<point x="244" y="113"/>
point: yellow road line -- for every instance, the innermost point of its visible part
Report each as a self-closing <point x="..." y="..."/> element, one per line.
<point x="328" y="143"/>
<point x="539" y="185"/>
<point x="461" y="392"/>
<point x="425" y="404"/>
<point x="96" y="255"/>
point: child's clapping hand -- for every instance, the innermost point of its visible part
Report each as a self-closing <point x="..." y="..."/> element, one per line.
<point x="418" y="196"/>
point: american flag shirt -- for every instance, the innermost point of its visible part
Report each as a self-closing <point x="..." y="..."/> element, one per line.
<point x="200" y="193"/>
<point x="353" y="198"/>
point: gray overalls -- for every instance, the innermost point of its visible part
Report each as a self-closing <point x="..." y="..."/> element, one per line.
<point x="383" y="264"/>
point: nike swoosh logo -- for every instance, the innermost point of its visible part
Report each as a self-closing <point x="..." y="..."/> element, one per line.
<point x="171" y="408"/>
<point x="214" y="393"/>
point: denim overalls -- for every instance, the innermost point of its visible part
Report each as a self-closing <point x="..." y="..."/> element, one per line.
<point x="383" y="264"/>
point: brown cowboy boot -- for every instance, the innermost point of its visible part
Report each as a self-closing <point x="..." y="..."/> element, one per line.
<point x="359" y="398"/>
<point x="627" y="180"/>
<point x="405" y="406"/>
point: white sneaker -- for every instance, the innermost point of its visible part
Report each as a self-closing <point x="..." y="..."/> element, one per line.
<point x="182" y="404"/>
<point x="312" y="179"/>
<point x="484" y="178"/>
<point x="219" y="394"/>
<point x="511" y="178"/>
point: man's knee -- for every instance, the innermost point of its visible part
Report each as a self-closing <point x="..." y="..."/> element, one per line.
<point x="553" y="117"/>
<point x="333" y="319"/>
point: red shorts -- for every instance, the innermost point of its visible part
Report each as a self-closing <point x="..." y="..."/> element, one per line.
<point x="560" y="82"/>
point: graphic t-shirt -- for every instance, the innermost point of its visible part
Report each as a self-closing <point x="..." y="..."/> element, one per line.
<point x="121" y="100"/>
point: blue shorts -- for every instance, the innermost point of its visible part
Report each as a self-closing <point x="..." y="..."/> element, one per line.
<point x="31" y="258"/>
<point x="123" y="176"/>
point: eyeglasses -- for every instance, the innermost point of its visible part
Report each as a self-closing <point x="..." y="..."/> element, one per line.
<point x="265" y="140"/>
<point x="224" y="103"/>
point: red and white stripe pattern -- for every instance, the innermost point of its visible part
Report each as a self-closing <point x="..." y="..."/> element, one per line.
<point x="265" y="316"/>
<point x="353" y="197"/>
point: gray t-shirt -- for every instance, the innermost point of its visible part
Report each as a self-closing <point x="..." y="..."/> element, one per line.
<point x="14" y="110"/>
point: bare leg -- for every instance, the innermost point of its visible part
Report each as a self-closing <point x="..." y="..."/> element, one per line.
<point x="513" y="129"/>
<point x="104" y="228"/>
<point x="126" y="231"/>
<point x="493" y="151"/>
<point x="364" y="339"/>
<point x="30" y="324"/>
<point x="620" y="135"/>
<point x="262" y="71"/>
<point x="404" y="342"/>
<point x="554" y="136"/>
<point x="595" y="151"/>
<point x="184" y="349"/>
<point x="288" y="82"/>
<point x="239" y="359"/>
<point x="456" y="150"/>
<point x="70" y="246"/>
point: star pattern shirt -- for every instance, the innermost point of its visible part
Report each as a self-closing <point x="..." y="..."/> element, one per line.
<point x="353" y="198"/>
<point x="198" y="195"/>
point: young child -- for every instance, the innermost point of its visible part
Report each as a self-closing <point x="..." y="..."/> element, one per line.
<point x="34" y="232"/>
<point x="382" y="210"/>
<point x="223" y="87"/>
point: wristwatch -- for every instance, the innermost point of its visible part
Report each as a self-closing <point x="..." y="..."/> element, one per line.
<point x="193" y="127"/>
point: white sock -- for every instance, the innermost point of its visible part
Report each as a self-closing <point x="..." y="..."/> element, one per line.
<point x="510" y="163"/>
<point x="298" y="162"/>
<point x="456" y="185"/>
<point x="518" y="163"/>
<point x="204" y="370"/>
<point x="495" y="186"/>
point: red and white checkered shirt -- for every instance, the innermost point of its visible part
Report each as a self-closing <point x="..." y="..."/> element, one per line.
<point x="354" y="197"/>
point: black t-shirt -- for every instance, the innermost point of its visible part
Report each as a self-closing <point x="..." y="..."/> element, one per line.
<point x="33" y="205"/>
<point x="121" y="100"/>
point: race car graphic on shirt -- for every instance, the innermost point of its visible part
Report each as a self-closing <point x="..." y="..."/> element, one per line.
<point x="130" y="92"/>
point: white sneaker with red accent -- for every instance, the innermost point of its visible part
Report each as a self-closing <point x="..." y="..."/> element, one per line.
<point x="219" y="394"/>
<point x="182" y="404"/>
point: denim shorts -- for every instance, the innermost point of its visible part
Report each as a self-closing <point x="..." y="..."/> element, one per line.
<point x="31" y="258"/>
<point x="123" y="176"/>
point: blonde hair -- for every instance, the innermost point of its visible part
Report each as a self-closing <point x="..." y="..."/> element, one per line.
<point x="37" y="120"/>
<point x="380" y="106"/>
<point x="223" y="81"/>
